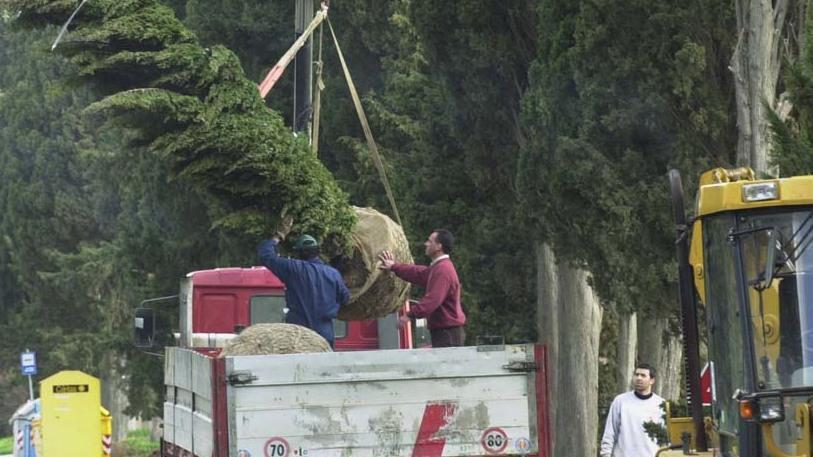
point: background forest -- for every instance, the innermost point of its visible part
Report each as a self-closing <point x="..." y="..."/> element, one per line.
<point x="538" y="132"/>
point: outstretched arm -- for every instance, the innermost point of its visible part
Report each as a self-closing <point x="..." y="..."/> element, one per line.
<point x="280" y="266"/>
<point x="416" y="274"/>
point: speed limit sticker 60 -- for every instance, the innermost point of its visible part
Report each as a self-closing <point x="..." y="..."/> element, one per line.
<point x="494" y="440"/>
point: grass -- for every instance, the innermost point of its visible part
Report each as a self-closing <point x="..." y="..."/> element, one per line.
<point x="7" y="445"/>
<point x="137" y="444"/>
<point x="139" y="440"/>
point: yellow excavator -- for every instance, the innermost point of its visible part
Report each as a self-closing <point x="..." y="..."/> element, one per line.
<point x="747" y="257"/>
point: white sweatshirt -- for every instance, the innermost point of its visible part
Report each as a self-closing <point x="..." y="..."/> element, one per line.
<point x="624" y="434"/>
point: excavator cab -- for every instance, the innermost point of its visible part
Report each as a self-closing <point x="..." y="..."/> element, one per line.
<point x="752" y="268"/>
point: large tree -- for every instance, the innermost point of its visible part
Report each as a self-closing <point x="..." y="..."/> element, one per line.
<point x="89" y="227"/>
<point x="768" y="34"/>
<point x="450" y="115"/>
<point x="438" y="107"/>
<point x="792" y="122"/>
<point x="215" y="130"/>
<point x="101" y="214"/>
<point x="619" y="93"/>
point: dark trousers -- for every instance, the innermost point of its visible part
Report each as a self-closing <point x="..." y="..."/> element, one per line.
<point x="447" y="337"/>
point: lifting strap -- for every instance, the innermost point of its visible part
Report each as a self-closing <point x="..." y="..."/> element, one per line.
<point x="368" y="134"/>
<point x="64" y="28"/>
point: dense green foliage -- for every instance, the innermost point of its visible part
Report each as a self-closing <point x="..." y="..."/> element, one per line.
<point x="193" y="106"/>
<point x="89" y="227"/>
<point x="793" y="134"/>
<point x="137" y="444"/>
<point x="104" y="213"/>
<point x="258" y="32"/>
<point x="449" y="135"/>
<point x="141" y="150"/>
<point x="44" y="209"/>
<point x="449" y="162"/>
<point x="621" y="92"/>
<point x="181" y="167"/>
<point x="462" y="90"/>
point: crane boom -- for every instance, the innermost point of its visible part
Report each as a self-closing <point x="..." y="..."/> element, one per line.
<point x="276" y="72"/>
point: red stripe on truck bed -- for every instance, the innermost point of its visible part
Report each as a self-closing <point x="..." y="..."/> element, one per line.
<point x="219" y="408"/>
<point x="542" y="422"/>
<point x="435" y="416"/>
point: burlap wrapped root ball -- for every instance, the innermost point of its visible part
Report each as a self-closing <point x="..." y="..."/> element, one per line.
<point x="263" y="339"/>
<point x="374" y="293"/>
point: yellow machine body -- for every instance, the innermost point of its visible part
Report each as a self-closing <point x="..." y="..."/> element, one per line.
<point x="724" y="191"/>
<point x="70" y="424"/>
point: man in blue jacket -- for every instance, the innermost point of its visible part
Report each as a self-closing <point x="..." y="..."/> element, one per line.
<point x="314" y="291"/>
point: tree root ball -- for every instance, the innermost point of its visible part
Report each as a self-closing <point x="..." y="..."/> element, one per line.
<point x="264" y="339"/>
<point x="374" y="293"/>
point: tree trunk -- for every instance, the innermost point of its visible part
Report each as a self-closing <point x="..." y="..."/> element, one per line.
<point x="663" y="351"/>
<point x="756" y="62"/>
<point x="114" y="398"/>
<point x="569" y="323"/>
<point x="627" y="350"/>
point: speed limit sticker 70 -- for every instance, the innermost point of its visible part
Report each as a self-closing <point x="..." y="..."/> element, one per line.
<point x="276" y="447"/>
<point x="494" y="440"/>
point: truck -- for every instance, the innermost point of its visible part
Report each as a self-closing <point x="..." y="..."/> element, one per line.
<point x="373" y="396"/>
<point x="746" y="257"/>
<point x="215" y="304"/>
<point x="466" y="401"/>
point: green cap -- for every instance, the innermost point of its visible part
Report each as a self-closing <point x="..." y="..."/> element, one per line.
<point x="304" y="242"/>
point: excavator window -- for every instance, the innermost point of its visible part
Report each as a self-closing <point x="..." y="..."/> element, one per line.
<point x="759" y="288"/>
<point x="723" y="314"/>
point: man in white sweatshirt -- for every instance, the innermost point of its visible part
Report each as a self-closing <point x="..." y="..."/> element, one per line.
<point x="624" y="434"/>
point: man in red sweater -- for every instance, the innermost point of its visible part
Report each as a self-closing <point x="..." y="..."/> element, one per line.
<point x="441" y="301"/>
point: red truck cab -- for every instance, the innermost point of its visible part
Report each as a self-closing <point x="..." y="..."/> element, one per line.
<point x="216" y="304"/>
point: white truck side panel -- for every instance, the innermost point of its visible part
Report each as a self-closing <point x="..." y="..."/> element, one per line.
<point x="169" y="422"/>
<point x="188" y="404"/>
<point x="183" y="425"/>
<point x="202" y="437"/>
<point x="456" y="401"/>
<point x="169" y="399"/>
